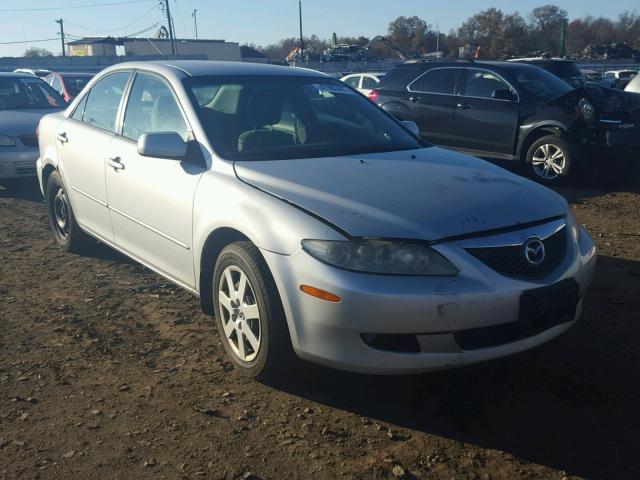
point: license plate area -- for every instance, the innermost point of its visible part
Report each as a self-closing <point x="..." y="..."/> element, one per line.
<point x="540" y="309"/>
<point x="545" y="307"/>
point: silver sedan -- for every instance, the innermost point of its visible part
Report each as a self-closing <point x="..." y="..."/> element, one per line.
<point x="310" y="222"/>
<point x="24" y="99"/>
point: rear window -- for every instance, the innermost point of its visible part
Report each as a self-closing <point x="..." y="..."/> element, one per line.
<point x="399" y="78"/>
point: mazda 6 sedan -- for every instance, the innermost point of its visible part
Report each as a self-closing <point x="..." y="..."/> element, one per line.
<point x="309" y="221"/>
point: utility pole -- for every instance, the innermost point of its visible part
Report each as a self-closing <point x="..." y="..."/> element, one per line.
<point x="438" y="37"/>
<point x="195" y="21"/>
<point x="301" y="39"/>
<point x="64" y="54"/>
<point x="172" y="40"/>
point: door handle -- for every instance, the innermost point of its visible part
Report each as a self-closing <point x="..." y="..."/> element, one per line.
<point x="464" y="106"/>
<point x="62" y="137"/>
<point x="115" y="163"/>
<point x="415" y="99"/>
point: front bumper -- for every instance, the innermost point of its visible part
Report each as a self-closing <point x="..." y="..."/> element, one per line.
<point x="431" y="308"/>
<point x="18" y="162"/>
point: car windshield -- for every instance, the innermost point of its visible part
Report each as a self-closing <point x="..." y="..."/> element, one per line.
<point x="274" y="118"/>
<point x="540" y="83"/>
<point x="28" y="92"/>
<point x="75" y="84"/>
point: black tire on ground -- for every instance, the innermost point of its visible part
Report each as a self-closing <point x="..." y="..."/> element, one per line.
<point x="275" y="353"/>
<point x="559" y="169"/>
<point x="67" y="235"/>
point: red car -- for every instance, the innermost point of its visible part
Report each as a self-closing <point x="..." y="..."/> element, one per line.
<point x="68" y="84"/>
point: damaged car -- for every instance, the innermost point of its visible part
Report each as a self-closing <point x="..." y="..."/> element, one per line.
<point x="514" y="112"/>
<point x="309" y="221"/>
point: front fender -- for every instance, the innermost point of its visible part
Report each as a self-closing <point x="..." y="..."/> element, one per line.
<point x="222" y="201"/>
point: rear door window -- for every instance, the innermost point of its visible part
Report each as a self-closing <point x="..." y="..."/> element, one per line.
<point x="101" y="108"/>
<point x="438" y="80"/>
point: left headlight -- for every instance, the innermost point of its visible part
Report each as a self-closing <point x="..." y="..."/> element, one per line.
<point x="573" y="224"/>
<point x="392" y="258"/>
<point x="7" y="141"/>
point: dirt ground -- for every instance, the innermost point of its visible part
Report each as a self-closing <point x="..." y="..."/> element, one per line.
<point x="106" y="371"/>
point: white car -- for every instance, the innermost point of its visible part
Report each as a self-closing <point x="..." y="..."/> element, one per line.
<point x="363" y="82"/>
<point x="307" y="220"/>
<point x="36" y="72"/>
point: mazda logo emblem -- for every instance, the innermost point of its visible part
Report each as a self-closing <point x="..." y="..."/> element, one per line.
<point x="534" y="251"/>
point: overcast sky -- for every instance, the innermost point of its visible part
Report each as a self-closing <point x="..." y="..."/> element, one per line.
<point x="252" y="21"/>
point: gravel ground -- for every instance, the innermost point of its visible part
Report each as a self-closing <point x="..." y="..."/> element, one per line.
<point x="107" y="371"/>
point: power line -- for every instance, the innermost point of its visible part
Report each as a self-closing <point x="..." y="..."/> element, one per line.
<point x="29" y="41"/>
<point x="70" y="7"/>
<point x="114" y="29"/>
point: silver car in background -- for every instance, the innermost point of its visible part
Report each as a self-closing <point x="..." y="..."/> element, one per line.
<point x="24" y="99"/>
<point x="307" y="220"/>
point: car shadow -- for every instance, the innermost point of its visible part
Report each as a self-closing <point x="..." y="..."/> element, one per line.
<point x="572" y="404"/>
<point x="26" y="189"/>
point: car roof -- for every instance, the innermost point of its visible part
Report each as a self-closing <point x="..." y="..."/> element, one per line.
<point x="84" y="74"/>
<point x="465" y="63"/>
<point x="16" y="75"/>
<point x="202" y="68"/>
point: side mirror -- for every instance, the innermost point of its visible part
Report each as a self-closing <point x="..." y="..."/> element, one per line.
<point x="411" y="126"/>
<point x="162" y="145"/>
<point x="503" y="95"/>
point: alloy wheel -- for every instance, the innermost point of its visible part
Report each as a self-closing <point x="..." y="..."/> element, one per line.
<point x="548" y="161"/>
<point x="240" y="314"/>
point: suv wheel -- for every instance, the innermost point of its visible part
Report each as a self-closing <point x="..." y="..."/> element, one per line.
<point x="63" y="223"/>
<point x="550" y="160"/>
<point x="248" y="312"/>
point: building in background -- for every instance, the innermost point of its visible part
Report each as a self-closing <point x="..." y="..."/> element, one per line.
<point x="131" y="46"/>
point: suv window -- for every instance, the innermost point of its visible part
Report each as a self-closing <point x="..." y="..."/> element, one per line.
<point x="369" y="83"/>
<point x="152" y="108"/>
<point x="438" y="80"/>
<point x="103" y="100"/>
<point x="482" y="84"/>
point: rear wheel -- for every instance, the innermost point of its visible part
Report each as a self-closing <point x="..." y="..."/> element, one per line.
<point x="550" y="160"/>
<point x="63" y="223"/>
<point x="249" y="313"/>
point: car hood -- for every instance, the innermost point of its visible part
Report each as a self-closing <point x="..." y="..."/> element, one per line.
<point x="426" y="194"/>
<point x="21" y="122"/>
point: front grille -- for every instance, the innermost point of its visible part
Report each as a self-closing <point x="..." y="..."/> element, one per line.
<point x="511" y="261"/>
<point x="29" y="140"/>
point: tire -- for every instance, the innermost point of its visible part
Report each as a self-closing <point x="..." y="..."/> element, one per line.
<point x="259" y="347"/>
<point x="66" y="231"/>
<point x="550" y="160"/>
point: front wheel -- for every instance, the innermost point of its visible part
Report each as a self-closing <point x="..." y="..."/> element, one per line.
<point x="249" y="313"/>
<point x="550" y="160"/>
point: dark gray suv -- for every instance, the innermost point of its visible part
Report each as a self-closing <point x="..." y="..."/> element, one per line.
<point x="513" y="111"/>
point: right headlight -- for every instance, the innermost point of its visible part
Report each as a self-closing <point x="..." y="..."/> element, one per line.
<point x="7" y="141"/>
<point x="378" y="256"/>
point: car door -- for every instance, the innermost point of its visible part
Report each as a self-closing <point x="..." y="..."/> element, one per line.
<point x="151" y="199"/>
<point x="486" y="123"/>
<point x="432" y="99"/>
<point x="83" y="144"/>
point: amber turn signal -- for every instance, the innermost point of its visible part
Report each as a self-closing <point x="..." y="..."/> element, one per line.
<point x="321" y="294"/>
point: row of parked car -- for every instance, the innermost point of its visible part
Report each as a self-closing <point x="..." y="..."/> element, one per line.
<point x="541" y="113"/>
<point x="25" y="96"/>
